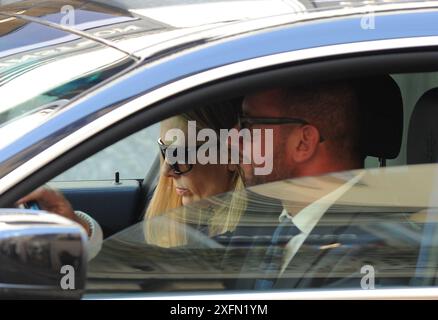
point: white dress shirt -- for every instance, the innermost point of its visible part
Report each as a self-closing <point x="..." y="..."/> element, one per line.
<point x="308" y="217"/>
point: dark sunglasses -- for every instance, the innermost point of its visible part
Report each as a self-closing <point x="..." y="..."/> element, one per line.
<point x="247" y="122"/>
<point x="178" y="168"/>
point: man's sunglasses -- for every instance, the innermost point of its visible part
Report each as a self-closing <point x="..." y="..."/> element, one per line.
<point x="247" y="122"/>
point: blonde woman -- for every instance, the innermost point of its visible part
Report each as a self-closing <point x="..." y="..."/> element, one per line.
<point x="184" y="184"/>
<point x="181" y="187"/>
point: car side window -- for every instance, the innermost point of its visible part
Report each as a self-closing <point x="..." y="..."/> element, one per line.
<point x="362" y="229"/>
<point x="412" y="87"/>
<point x="362" y="238"/>
<point x="131" y="157"/>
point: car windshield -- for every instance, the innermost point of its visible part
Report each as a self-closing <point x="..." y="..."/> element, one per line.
<point x="374" y="217"/>
<point x="64" y="67"/>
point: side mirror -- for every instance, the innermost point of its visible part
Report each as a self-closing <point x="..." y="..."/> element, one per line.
<point x="42" y="256"/>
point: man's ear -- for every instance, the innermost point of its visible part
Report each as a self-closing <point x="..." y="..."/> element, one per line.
<point x="306" y="144"/>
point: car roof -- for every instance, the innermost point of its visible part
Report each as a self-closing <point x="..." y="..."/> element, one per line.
<point x="134" y="26"/>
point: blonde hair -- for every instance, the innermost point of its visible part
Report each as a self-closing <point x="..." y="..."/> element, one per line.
<point x="165" y="225"/>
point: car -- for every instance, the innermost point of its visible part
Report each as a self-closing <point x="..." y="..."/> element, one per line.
<point x="85" y="84"/>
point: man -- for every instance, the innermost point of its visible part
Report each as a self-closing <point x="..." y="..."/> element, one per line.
<point x="321" y="137"/>
<point x="315" y="132"/>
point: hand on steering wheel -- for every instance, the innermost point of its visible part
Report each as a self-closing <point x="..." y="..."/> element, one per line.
<point x="32" y="205"/>
<point x="51" y="200"/>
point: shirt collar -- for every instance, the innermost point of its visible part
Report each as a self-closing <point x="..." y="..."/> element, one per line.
<point x="308" y="217"/>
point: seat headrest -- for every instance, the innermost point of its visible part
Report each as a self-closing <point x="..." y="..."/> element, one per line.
<point x="422" y="144"/>
<point x="381" y="110"/>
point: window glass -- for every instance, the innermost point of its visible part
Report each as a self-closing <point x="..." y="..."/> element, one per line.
<point x="412" y="87"/>
<point x="372" y="228"/>
<point x="367" y="228"/>
<point x="131" y="157"/>
<point x="42" y="69"/>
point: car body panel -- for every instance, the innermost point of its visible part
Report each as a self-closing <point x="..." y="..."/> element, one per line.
<point x="120" y="20"/>
<point x="327" y="294"/>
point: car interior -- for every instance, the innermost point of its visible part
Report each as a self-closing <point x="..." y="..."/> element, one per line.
<point x="105" y="200"/>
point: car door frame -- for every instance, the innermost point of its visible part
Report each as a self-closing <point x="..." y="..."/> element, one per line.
<point x="166" y="101"/>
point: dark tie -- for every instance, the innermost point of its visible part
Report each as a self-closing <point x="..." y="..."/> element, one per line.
<point x="271" y="264"/>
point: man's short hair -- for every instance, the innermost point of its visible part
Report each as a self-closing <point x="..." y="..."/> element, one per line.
<point x="330" y="107"/>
